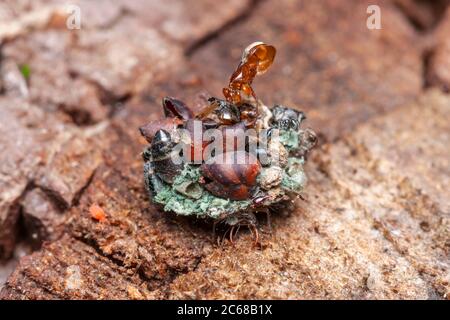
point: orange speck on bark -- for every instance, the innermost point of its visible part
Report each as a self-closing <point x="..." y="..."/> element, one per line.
<point x="97" y="213"/>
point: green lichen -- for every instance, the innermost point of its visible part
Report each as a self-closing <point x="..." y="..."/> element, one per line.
<point x="190" y="173"/>
<point x="294" y="178"/>
<point x="205" y="206"/>
<point x="187" y="183"/>
<point x="290" y="139"/>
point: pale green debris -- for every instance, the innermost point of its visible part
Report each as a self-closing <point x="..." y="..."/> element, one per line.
<point x="187" y="183"/>
<point x="289" y="138"/>
<point x="189" y="173"/>
<point x="294" y="178"/>
<point x="207" y="205"/>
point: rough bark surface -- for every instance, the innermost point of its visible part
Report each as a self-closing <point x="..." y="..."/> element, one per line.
<point x="375" y="222"/>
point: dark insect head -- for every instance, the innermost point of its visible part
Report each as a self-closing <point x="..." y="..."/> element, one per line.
<point x="227" y="112"/>
<point x="286" y="118"/>
<point x="161" y="144"/>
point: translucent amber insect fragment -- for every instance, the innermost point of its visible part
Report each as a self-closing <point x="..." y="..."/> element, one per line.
<point x="256" y="59"/>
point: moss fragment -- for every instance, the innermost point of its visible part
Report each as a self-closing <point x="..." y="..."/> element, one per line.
<point x="289" y="138"/>
<point x="294" y="178"/>
<point x="206" y="205"/>
<point x="25" y="70"/>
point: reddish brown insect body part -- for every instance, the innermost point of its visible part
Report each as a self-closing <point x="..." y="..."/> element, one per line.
<point x="230" y="179"/>
<point x="176" y="108"/>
